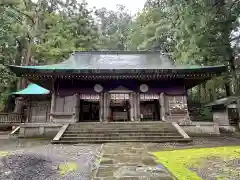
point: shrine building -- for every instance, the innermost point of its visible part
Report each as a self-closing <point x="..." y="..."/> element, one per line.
<point x="110" y="86"/>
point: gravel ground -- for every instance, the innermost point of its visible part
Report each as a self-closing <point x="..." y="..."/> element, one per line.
<point x="39" y="160"/>
<point x="198" y="142"/>
<point x="216" y="168"/>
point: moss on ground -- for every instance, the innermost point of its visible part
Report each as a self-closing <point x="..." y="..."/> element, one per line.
<point x="178" y="161"/>
<point x="3" y="153"/>
<point x="67" y="168"/>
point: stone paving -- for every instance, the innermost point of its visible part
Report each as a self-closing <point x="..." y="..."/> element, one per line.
<point x="40" y="160"/>
<point x="132" y="161"/>
<point x="129" y="161"/>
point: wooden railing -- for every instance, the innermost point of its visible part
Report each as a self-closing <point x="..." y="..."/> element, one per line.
<point x="10" y="118"/>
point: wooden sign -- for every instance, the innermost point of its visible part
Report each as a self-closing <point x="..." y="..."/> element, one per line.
<point x="89" y="96"/>
<point x="119" y="96"/>
<point x="148" y="96"/>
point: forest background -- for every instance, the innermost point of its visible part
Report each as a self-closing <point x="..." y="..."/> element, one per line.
<point x="197" y="32"/>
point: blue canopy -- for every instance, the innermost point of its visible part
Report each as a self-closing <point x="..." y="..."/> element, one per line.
<point x="32" y="89"/>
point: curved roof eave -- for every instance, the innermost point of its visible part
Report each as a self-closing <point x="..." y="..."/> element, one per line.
<point x="35" y="69"/>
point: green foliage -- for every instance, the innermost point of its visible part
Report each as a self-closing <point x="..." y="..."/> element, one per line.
<point x="192" y="32"/>
<point x="115" y="28"/>
<point x="6" y="79"/>
<point x="3" y="153"/>
<point x="178" y="161"/>
<point x="67" y="168"/>
<point x="42" y="32"/>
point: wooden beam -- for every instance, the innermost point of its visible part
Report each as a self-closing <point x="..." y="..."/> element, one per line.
<point x="77" y="107"/>
<point x="53" y="101"/>
<point x="131" y="107"/>
<point x="162" y="106"/>
<point x="101" y="107"/>
<point x="138" y="116"/>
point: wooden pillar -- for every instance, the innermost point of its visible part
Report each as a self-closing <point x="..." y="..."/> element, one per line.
<point x="108" y="99"/>
<point x="134" y="106"/>
<point x="106" y="102"/>
<point x="104" y="107"/>
<point x="101" y="107"/>
<point x="53" y="105"/>
<point x="80" y="109"/>
<point x="162" y="106"/>
<point x="77" y="107"/>
<point x="138" y="116"/>
<point x="131" y="106"/>
<point x="53" y="101"/>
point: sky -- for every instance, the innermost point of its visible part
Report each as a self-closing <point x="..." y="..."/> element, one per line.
<point x="131" y="5"/>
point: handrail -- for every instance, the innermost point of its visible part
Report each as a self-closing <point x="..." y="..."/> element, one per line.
<point x="60" y="132"/>
<point x="10" y="118"/>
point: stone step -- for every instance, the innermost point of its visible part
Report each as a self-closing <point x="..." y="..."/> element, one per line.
<point x="164" y="140"/>
<point x="116" y="133"/>
<point x="122" y="125"/>
<point x="120" y="137"/>
<point x="126" y="122"/>
<point x="119" y="131"/>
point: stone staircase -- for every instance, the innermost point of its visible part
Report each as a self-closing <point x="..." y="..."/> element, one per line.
<point x="121" y="132"/>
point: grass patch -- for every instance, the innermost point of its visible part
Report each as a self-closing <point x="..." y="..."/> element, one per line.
<point x="178" y="161"/>
<point x="67" y="168"/>
<point x="3" y="153"/>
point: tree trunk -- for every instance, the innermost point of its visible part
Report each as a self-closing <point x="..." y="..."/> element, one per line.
<point x="214" y="92"/>
<point x="204" y="92"/>
<point x="227" y="89"/>
<point x="199" y="93"/>
<point x="27" y="61"/>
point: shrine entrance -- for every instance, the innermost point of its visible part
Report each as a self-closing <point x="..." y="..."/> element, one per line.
<point x="149" y="107"/>
<point x="119" y="107"/>
<point x="89" y="108"/>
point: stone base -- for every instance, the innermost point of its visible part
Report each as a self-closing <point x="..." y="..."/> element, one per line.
<point x="46" y="130"/>
<point x="228" y="129"/>
<point x="201" y="129"/>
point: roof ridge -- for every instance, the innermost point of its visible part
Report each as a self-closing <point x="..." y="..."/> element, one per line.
<point x="120" y="52"/>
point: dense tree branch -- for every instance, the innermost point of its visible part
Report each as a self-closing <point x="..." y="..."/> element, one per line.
<point x="20" y="12"/>
<point x="235" y="38"/>
<point x="233" y="4"/>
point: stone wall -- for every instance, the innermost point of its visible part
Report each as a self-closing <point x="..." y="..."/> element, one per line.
<point x="64" y="118"/>
<point x="39" y="130"/>
<point x="221" y="117"/>
<point x="228" y="129"/>
<point x="201" y="129"/>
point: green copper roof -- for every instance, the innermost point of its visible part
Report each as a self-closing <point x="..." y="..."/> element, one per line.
<point x="32" y="89"/>
<point x="112" y="60"/>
